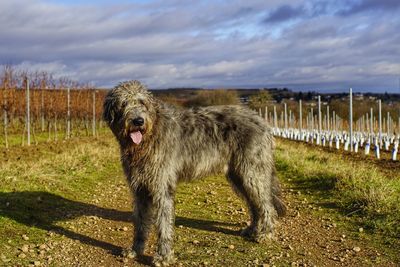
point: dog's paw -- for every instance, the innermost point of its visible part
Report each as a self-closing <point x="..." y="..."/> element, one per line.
<point x="161" y="261"/>
<point x="252" y="234"/>
<point x="129" y="253"/>
<point x="248" y="232"/>
<point x="262" y="237"/>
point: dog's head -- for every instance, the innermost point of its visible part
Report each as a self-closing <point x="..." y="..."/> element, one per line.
<point x="129" y="110"/>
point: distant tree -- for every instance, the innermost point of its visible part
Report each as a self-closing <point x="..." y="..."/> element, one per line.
<point x="386" y="96"/>
<point x="259" y="100"/>
<point x="299" y="96"/>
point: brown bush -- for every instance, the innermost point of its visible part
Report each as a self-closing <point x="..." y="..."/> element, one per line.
<point x="213" y="98"/>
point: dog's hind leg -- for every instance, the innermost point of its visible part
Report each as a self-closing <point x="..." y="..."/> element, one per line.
<point x="255" y="189"/>
<point x="237" y="184"/>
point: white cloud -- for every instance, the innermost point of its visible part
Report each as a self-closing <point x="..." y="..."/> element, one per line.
<point x="204" y="43"/>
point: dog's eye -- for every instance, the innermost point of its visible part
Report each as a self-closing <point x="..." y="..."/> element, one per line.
<point x="143" y="103"/>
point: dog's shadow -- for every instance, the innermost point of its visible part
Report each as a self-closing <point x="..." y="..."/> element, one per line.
<point x="43" y="210"/>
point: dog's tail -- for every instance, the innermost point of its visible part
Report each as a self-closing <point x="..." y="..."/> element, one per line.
<point x="276" y="195"/>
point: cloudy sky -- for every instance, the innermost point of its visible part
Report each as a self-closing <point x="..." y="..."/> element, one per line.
<point x="305" y="45"/>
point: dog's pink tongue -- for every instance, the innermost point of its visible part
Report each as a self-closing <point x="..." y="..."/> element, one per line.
<point x="136" y="137"/>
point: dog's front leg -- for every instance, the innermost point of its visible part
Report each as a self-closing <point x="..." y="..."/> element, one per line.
<point x="142" y="222"/>
<point x="164" y="220"/>
<point x="142" y="219"/>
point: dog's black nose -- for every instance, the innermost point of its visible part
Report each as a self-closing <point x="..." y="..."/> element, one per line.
<point x="139" y="121"/>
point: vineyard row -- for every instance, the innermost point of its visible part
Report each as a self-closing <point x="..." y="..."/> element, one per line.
<point x="368" y="133"/>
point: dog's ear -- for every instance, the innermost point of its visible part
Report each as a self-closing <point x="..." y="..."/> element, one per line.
<point x="109" y="109"/>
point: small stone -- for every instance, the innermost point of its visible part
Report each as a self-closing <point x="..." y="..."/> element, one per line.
<point x="130" y="255"/>
<point x="22" y="256"/>
<point x="361" y="229"/>
<point x="50" y="233"/>
<point x="356" y="249"/>
<point x="42" y="247"/>
<point x="25" y="237"/>
<point x="37" y="263"/>
<point x="196" y="242"/>
<point x="231" y="247"/>
<point x="25" y="248"/>
<point x="289" y="247"/>
<point x="124" y="228"/>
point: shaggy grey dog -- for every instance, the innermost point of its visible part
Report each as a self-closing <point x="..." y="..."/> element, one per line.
<point x="162" y="145"/>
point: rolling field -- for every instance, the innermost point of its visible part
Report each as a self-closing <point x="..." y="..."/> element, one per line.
<point x="66" y="203"/>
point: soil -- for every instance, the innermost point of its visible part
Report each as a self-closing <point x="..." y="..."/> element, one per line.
<point x="307" y="236"/>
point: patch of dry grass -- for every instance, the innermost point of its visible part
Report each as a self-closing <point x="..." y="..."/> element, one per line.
<point x="359" y="188"/>
<point x="59" y="171"/>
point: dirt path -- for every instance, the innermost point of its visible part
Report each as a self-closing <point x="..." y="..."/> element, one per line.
<point x="95" y="233"/>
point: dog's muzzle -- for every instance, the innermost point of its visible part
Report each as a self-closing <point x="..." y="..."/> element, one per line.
<point x="139" y="121"/>
<point x="136" y="129"/>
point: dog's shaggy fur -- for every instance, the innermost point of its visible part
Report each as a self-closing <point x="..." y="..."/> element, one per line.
<point x="171" y="145"/>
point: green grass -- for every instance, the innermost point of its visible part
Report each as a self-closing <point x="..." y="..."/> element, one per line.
<point x="15" y="138"/>
<point x="46" y="186"/>
<point x="57" y="183"/>
<point x="361" y="190"/>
